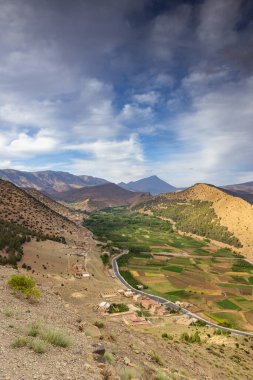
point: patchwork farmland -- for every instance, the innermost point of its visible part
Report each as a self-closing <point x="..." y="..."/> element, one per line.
<point x="214" y="282"/>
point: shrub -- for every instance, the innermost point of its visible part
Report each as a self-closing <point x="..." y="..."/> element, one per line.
<point x="99" y="324"/>
<point x="56" y="337"/>
<point x="34" y="329"/>
<point x="37" y="345"/>
<point x="25" y="285"/>
<point x="109" y="357"/>
<point x="194" y="338"/>
<point x="161" y="376"/>
<point x="20" y="341"/>
<point x="128" y="374"/>
<point x="167" y="336"/>
<point x="8" y="312"/>
<point x="156" y="358"/>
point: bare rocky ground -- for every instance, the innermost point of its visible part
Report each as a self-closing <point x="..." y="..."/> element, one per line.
<point x="70" y="304"/>
<point x="57" y="363"/>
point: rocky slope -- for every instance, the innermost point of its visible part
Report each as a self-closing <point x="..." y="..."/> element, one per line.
<point x="19" y="207"/>
<point x="56" y="206"/>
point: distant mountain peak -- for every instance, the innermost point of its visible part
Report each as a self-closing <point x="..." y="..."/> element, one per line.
<point x="153" y="185"/>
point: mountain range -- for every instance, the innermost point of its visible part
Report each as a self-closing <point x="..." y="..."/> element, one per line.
<point x="49" y="181"/>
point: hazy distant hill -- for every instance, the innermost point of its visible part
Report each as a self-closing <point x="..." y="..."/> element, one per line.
<point x="101" y="196"/>
<point x="153" y="185"/>
<point x="17" y="206"/>
<point x="49" y="181"/>
<point x="241" y="194"/>
<point x="232" y="212"/>
<point x="245" y="187"/>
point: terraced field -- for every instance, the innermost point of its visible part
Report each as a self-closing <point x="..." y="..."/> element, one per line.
<point x="217" y="283"/>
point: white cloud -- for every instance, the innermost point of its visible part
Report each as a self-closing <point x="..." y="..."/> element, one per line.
<point x="149" y="98"/>
<point x="25" y="146"/>
<point x="134" y="113"/>
<point x="216" y="135"/>
<point x="114" y="160"/>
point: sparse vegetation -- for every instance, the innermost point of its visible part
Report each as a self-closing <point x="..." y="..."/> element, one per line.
<point x="128" y="373"/>
<point x="38" y="336"/>
<point x="109" y="357"/>
<point x="190" y="338"/>
<point x="18" y="342"/>
<point x="161" y="376"/>
<point x="56" y="337"/>
<point x="156" y="358"/>
<point x="37" y="345"/>
<point x="8" y="312"/>
<point x="24" y="285"/>
<point x="34" y="329"/>
<point x="167" y="336"/>
<point x="99" y="324"/>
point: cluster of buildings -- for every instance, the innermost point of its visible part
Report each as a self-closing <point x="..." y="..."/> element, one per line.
<point x="139" y="308"/>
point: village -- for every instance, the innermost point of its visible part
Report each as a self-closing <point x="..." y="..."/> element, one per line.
<point x="137" y="310"/>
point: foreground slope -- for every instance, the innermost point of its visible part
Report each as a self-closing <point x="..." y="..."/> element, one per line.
<point x="102" y="196"/>
<point x="233" y="212"/>
<point x="152" y="185"/>
<point x="19" y="207"/>
<point x="48" y="181"/>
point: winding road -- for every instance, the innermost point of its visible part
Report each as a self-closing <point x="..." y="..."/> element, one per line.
<point x="170" y="304"/>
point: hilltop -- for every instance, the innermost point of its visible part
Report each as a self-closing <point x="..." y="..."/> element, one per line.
<point x="101" y="196"/>
<point x="49" y="181"/>
<point x="232" y="212"/>
<point x="18" y="206"/>
<point x="153" y="185"/>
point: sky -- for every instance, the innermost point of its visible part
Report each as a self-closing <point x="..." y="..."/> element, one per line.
<point x="126" y="89"/>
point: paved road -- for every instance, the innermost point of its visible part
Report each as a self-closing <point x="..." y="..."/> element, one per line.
<point x="170" y="304"/>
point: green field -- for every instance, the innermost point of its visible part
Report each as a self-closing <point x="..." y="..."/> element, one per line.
<point x="217" y="282"/>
